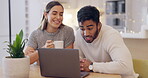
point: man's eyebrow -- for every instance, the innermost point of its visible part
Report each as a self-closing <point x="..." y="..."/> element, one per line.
<point x="89" y="25"/>
<point x="81" y="26"/>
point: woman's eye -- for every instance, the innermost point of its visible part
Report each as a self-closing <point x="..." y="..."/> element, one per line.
<point x="61" y="14"/>
<point x="54" y="13"/>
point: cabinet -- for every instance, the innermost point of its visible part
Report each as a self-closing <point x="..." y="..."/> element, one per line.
<point x="136" y="16"/>
<point x="115" y="14"/>
<point x="129" y="17"/>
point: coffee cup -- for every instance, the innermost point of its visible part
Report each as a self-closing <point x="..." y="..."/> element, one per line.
<point x="58" y="44"/>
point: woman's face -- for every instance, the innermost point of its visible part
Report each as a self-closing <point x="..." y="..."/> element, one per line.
<point x="55" y="16"/>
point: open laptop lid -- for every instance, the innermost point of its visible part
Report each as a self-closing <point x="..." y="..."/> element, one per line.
<point x="59" y="62"/>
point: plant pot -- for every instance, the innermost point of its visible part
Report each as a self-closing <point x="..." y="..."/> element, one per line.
<point x="16" y="67"/>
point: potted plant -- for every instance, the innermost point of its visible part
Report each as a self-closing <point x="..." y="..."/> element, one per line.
<point x="17" y="65"/>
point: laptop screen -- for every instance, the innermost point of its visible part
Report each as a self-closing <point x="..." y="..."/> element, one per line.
<point x="59" y="62"/>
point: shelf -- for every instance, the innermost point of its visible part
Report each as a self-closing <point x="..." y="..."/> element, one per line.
<point x="141" y="35"/>
<point x="135" y="35"/>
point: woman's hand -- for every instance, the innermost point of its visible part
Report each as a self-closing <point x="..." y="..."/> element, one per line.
<point x="29" y="51"/>
<point x="32" y="53"/>
<point x="49" y="44"/>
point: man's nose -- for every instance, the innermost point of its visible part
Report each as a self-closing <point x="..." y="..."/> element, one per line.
<point x="86" y="33"/>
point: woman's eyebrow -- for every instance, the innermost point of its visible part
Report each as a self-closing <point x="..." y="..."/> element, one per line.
<point x="57" y="11"/>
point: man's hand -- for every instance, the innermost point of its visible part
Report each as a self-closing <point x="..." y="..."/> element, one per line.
<point x="84" y="64"/>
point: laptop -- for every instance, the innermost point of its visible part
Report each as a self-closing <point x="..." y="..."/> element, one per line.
<point x="60" y="63"/>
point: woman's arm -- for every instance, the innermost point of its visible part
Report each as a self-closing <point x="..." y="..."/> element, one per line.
<point x="70" y="46"/>
<point x="32" y="53"/>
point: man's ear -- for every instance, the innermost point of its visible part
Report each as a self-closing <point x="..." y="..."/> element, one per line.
<point x="45" y="15"/>
<point x="99" y="25"/>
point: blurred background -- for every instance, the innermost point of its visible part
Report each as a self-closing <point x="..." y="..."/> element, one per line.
<point x="129" y="17"/>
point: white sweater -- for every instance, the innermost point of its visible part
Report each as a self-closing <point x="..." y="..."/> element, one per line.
<point x="108" y="53"/>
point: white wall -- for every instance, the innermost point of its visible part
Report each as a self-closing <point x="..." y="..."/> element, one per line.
<point x="35" y="14"/>
<point x="35" y="10"/>
<point x="136" y="12"/>
<point x="18" y="22"/>
<point x="138" y="48"/>
<point x="3" y="26"/>
<point x="18" y="16"/>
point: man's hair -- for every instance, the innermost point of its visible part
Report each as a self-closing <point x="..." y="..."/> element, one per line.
<point x="88" y="13"/>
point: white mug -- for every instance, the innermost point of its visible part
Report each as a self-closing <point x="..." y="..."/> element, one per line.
<point x="58" y="44"/>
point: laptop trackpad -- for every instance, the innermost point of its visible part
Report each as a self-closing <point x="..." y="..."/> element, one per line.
<point x="84" y="74"/>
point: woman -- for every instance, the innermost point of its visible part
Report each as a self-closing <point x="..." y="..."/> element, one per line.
<point x="51" y="29"/>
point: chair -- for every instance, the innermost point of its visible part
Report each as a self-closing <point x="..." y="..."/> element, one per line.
<point x="141" y="67"/>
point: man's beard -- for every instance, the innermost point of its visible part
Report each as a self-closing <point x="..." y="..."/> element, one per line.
<point x="93" y="37"/>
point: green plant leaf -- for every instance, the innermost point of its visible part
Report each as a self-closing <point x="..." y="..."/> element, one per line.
<point x="21" y="34"/>
<point x="16" y="49"/>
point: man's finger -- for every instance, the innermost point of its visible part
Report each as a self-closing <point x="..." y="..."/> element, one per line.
<point x="81" y="65"/>
<point x="82" y="60"/>
<point x="82" y="69"/>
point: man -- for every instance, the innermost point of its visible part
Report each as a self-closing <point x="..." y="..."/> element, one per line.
<point x="101" y="48"/>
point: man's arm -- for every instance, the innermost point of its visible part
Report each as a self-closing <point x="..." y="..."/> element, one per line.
<point x="121" y="58"/>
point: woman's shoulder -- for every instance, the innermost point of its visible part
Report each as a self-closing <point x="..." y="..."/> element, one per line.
<point x="67" y="28"/>
<point x="37" y="31"/>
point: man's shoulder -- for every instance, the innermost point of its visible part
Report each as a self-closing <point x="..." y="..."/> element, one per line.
<point x="78" y="32"/>
<point x="78" y="37"/>
<point x="109" y="30"/>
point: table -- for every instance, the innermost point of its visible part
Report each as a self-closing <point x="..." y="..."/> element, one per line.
<point x="35" y="73"/>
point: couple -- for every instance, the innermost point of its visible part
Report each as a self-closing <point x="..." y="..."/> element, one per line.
<point x="101" y="48"/>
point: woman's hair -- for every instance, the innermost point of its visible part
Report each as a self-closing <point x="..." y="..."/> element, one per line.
<point x="44" y="21"/>
<point x="88" y="13"/>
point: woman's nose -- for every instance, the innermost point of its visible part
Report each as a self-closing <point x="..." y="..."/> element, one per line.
<point x="58" y="16"/>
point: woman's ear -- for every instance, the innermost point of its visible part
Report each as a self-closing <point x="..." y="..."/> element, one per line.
<point x="45" y="15"/>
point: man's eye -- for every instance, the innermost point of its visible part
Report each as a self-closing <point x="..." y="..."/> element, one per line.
<point x="82" y="29"/>
<point x="89" y="28"/>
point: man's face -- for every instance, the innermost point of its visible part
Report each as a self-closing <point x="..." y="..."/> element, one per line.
<point x="89" y="30"/>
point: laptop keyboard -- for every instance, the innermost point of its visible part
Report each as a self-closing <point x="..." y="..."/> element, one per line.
<point x="84" y="74"/>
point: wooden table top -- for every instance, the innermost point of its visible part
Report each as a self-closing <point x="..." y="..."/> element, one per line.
<point x="35" y="73"/>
